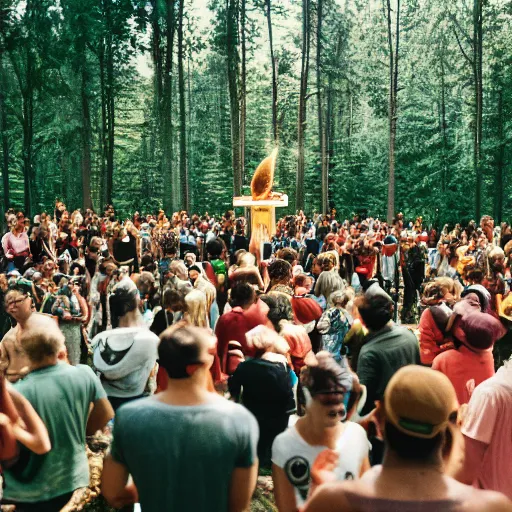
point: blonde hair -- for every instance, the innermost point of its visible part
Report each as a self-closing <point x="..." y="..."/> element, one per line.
<point x="449" y="285"/>
<point x="263" y="339"/>
<point x="328" y="258"/>
<point x="196" y="308"/>
<point x="208" y="289"/>
<point x="247" y="260"/>
<point x="179" y="269"/>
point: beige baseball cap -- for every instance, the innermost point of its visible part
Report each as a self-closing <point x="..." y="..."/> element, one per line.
<point x="420" y="401"/>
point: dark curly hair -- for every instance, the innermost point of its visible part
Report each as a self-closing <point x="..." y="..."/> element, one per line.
<point x="279" y="270"/>
<point x="168" y="242"/>
<point x="287" y="254"/>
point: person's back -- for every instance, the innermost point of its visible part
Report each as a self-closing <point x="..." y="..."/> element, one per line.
<point x="421" y="436"/>
<point x="375" y="493"/>
<point x="385" y="353"/>
<point x="61" y="396"/>
<point x="486" y="430"/>
<point x="182" y="457"/>
<point x="473" y="362"/>
<point x="71" y="403"/>
<point x="465" y="369"/>
<point x="186" y="447"/>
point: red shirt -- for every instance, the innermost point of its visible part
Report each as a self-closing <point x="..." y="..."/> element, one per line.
<point x="465" y="369"/>
<point x="234" y="325"/>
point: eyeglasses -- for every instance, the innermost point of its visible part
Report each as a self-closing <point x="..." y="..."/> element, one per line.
<point x="330" y="397"/>
<point x="15" y="302"/>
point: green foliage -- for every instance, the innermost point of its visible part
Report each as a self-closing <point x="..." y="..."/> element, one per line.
<point x="434" y="148"/>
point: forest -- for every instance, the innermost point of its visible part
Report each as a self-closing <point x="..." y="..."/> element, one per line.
<point x="377" y="106"/>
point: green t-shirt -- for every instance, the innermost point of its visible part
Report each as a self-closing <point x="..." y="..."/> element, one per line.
<point x="182" y="457"/>
<point x="382" y="356"/>
<point x="61" y="395"/>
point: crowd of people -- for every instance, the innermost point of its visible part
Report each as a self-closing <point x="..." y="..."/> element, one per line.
<point x="366" y="364"/>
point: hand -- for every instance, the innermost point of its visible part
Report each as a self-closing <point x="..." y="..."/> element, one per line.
<point x="322" y="471"/>
<point x="5" y="421"/>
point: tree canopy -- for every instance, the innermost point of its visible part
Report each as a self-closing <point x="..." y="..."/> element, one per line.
<point x="376" y="105"/>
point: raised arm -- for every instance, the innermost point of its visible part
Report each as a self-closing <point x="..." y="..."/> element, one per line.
<point x="29" y="430"/>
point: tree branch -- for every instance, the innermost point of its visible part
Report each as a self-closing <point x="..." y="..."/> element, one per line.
<point x="462" y="49"/>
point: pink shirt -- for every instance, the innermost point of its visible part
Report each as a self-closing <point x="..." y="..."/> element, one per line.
<point x="14" y="245"/>
<point x="465" y="369"/>
<point x="489" y="420"/>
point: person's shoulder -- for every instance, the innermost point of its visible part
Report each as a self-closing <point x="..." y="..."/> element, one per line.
<point x="445" y="357"/>
<point x="403" y="331"/>
<point x="286" y="434"/>
<point x="355" y="429"/>
<point x="82" y="368"/>
<point x="10" y="335"/>
<point x="238" y="413"/>
<point x="100" y="336"/>
<point x="478" y="500"/>
<point x="146" y="335"/>
<point x="333" y="496"/>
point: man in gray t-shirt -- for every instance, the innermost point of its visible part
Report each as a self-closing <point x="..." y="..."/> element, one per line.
<point x="186" y="448"/>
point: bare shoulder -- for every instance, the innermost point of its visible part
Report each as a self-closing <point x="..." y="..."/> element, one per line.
<point x="10" y="336"/>
<point x="486" y="501"/>
<point x="334" y="496"/>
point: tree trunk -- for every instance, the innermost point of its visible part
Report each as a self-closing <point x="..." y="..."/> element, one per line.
<point x="86" y="133"/>
<point x="274" y="71"/>
<point x="28" y="130"/>
<point x="444" y="126"/>
<point x="322" y="136"/>
<point x="110" y="117"/>
<point x="190" y="144"/>
<point x="104" y="123"/>
<point x="243" y="90"/>
<point x="500" y="162"/>
<point x="157" y="58"/>
<point x="393" y="104"/>
<point x="183" y="114"/>
<point x="329" y="120"/>
<point x="5" y="140"/>
<point x="232" y="64"/>
<point x="170" y="189"/>
<point x="478" y="85"/>
<point x="301" y="125"/>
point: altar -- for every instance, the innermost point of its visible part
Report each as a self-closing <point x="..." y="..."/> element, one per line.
<point x="262" y="203"/>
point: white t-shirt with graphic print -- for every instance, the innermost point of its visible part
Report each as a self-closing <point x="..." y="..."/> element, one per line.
<point x="291" y="453"/>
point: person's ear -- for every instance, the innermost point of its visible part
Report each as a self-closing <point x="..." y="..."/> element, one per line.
<point x="192" y="368"/>
<point x="62" y="354"/>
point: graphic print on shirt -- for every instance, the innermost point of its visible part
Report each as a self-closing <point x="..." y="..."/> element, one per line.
<point x="298" y="473"/>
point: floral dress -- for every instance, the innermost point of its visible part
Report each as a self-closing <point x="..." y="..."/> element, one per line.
<point x="334" y="325"/>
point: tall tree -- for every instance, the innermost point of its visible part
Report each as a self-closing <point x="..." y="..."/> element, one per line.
<point x="243" y="86"/>
<point x="232" y="59"/>
<point x="393" y="48"/>
<point x="183" y="112"/>
<point x="474" y="59"/>
<point x="322" y="135"/>
<point x="4" y="13"/>
<point x="171" y="189"/>
<point x="301" y="124"/>
<point x="273" y="64"/>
